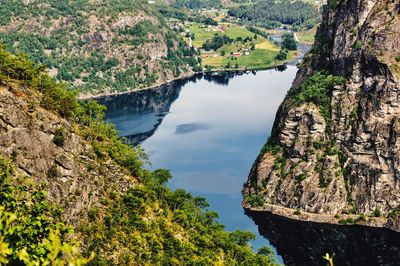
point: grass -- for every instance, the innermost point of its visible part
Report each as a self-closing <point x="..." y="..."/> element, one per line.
<point x="258" y="58"/>
<point x="201" y="35"/>
<point x="262" y="57"/>
<point x="213" y="61"/>
<point x="231" y="30"/>
<point x="307" y="36"/>
<point x="267" y="46"/>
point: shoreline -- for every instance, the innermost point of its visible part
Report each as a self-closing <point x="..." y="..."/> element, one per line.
<point x="187" y="76"/>
<point x="332" y="219"/>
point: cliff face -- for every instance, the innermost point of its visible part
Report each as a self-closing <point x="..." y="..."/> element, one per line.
<point x="75" y="179"/>
<point x="344" y="157"/>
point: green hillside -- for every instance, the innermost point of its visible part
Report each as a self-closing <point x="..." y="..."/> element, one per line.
<point x="98" y="46"/>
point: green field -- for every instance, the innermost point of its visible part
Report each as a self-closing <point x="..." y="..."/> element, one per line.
<point x="261" y="57"/>
<point x="307" y="36"/>
<point x="231" y="30"/>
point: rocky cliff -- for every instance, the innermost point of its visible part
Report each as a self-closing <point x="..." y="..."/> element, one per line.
<point x="76" y="180"/>
<point x="334" y="147"/>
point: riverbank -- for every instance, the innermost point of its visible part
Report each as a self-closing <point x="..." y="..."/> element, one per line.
<point x="334" y="219"/>
<point x="187" y="76"/>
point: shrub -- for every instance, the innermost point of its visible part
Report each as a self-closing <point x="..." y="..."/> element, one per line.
<point x="255" y="200"/>
<point x="376" y="212"/>
<point x="59" y="137"/>
<point x="282" y="55"/>
<point x="316" y="89"/>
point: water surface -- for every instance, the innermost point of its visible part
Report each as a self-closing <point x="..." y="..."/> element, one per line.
<point x="207" y="131"/>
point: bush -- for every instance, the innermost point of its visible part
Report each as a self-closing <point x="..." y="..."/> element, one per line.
<point x="31" y="229"/>
<point x="317" y="89"/>
<point x="255" y="200"/>
<point x="377" y="212"/>
<point x="282" y="55"/>
<point x="59" y="137"/>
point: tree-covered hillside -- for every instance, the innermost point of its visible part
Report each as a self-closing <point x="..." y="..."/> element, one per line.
<point x="195" y="4"/>
<point x="268" y="12"/>
<point x="117" y="210"/>
<point x="98" y="46"/>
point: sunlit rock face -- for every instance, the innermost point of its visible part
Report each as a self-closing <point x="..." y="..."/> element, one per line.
<point x="349" y="164"/>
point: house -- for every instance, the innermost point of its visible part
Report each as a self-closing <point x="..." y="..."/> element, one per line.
<point x="237" y="54"/>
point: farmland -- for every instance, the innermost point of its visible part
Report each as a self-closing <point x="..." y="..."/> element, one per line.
<point x="246" y="51"/>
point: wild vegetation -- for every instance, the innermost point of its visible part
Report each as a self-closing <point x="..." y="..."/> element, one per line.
<point x="149" y="224"/>
<point x="271" y="13"/>
<point x="96" y="47"/>
<point x="317" y="89"/>
<point x="196" y="4"/>
<point x="32" y="231"/>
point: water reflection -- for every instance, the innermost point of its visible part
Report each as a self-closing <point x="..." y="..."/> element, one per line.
<point x="207" y="131"/>
<point x="304" y="243"/>
<point x="190" y="127"/>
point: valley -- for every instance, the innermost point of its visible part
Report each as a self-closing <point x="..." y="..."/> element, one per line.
<point x="199" y="132"/>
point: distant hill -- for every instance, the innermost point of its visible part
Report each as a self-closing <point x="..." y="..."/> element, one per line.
<point x="98" y="46"/>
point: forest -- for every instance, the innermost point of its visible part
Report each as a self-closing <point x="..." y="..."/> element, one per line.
<point x="267" y="13"/>
<point x="196" y="4"/>
<point x="106" y="55"/>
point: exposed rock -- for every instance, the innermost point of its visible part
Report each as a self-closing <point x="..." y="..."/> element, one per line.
<point x="350" y="163"/>
<point x="75" y="180"/>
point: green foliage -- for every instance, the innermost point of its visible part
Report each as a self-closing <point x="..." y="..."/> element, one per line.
<point x="300" y="177"/>
<point x="317" y="90"/>
<point x="357" y="45"/>
<point x="216" y="42"/>
<point x="59" y="137"/>
<point x="289" y="42"/>
<point x="167" y="227"/>
<point x="254" y="200"/>
<point x="265" y="13"/>
<point x="62" y="48"/>
<point x="31" y="229"/>
<point x="334" y="3"/>
<point x="282" y="55"/>
<point x="346" y="221"/>
<point x="376" y="212"/>
<point x="197" y="4"/>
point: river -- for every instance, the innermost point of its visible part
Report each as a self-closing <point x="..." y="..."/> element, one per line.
<point x="207" y="131"/>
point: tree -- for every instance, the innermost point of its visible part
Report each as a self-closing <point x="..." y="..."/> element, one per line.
<point x="289" y="42"/>
<point x="282" y="55"/>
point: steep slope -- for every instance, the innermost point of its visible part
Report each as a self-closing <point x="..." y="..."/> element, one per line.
<point x="61" y="165"/>
<point x="334" y="145"/>
<point x="97" y="46"/>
